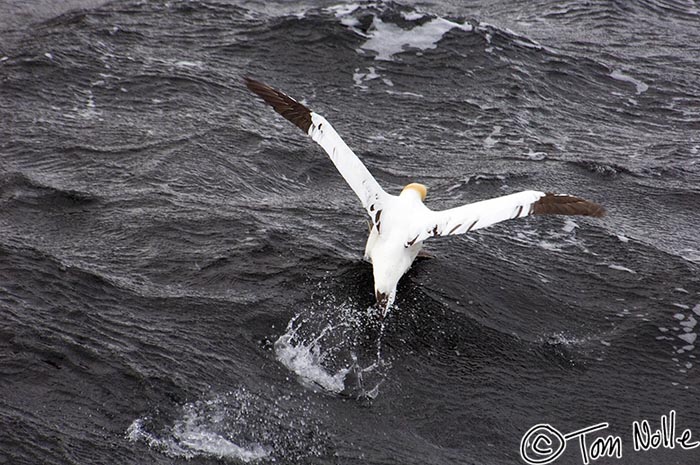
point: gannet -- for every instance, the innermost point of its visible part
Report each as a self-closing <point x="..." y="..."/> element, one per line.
<point x="400" y="223"/>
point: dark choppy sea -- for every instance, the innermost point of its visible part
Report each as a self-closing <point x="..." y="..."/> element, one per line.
<point x="180" y="268"/>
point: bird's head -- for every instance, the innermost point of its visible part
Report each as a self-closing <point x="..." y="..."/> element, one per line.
<point x="420" y="189"/>
<point x="387" y="274"/>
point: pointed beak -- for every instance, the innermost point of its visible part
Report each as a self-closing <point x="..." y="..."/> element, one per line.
<point x="382" y="300"/>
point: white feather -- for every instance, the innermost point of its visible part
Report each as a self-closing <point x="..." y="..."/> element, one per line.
<point x="361" y="181"/>
<point x="472" y="216"/>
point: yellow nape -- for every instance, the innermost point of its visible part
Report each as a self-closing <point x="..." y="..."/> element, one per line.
<point x="420" y="188"/>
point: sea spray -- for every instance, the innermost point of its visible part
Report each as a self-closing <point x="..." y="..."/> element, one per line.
<point x="335" y="348"/>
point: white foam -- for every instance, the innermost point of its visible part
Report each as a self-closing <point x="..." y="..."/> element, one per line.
<point x="689" y="338"/>
<point x="525" y="44"/>
<point x="537" y="156"/>
<point x="623" y="238"/>
<point x="361" y="78"/>
<point x="90" y="100"/>
<point x="569" y="225"/>
<point x="411" y="16"/>
<point x="188" y="64"/>
<point x="408" y="94"/>
<point x="679" y="316"/>
<point x="490" y="141"/>
<point x="621" y="268"/>
<point x="549" y="246"/>
<point x="690" y="322"/>
<point x="358" y="77"/>
<point x="618" y="75"/>
<point x="696" y="309"/>
<point x="89" y="111"/>
<point x="344" y="14"/>
<point x="388" y="39"/>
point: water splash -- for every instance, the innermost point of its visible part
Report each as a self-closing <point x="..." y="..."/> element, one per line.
<point x="239" y="425"/>
<point x="189" y="440"/>
<point x="335" y="349"/>
<point x="306" y="358"/>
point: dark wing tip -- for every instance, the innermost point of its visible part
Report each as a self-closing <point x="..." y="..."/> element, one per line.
<point x="555" y="204"/>
<point x="282" y="103"/>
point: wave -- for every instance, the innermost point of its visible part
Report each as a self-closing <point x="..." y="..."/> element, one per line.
<point x="18" y="187"/>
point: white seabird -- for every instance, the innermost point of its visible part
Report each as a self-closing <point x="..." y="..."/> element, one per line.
<point x="401" y="223"/>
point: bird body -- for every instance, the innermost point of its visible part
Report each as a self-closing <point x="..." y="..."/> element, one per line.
<point x="387" y="251"/>
<point x="401" y="223"/>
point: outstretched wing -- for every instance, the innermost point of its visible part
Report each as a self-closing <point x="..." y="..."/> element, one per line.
<point x="487" y="212"/>
<point x="372" y="196"/>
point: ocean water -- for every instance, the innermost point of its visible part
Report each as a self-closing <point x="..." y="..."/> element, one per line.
<point x="181" y="273"/>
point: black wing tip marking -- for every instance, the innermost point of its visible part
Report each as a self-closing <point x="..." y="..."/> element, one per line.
<point x="282" y="103"/>
<point x="557" y="204"/>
